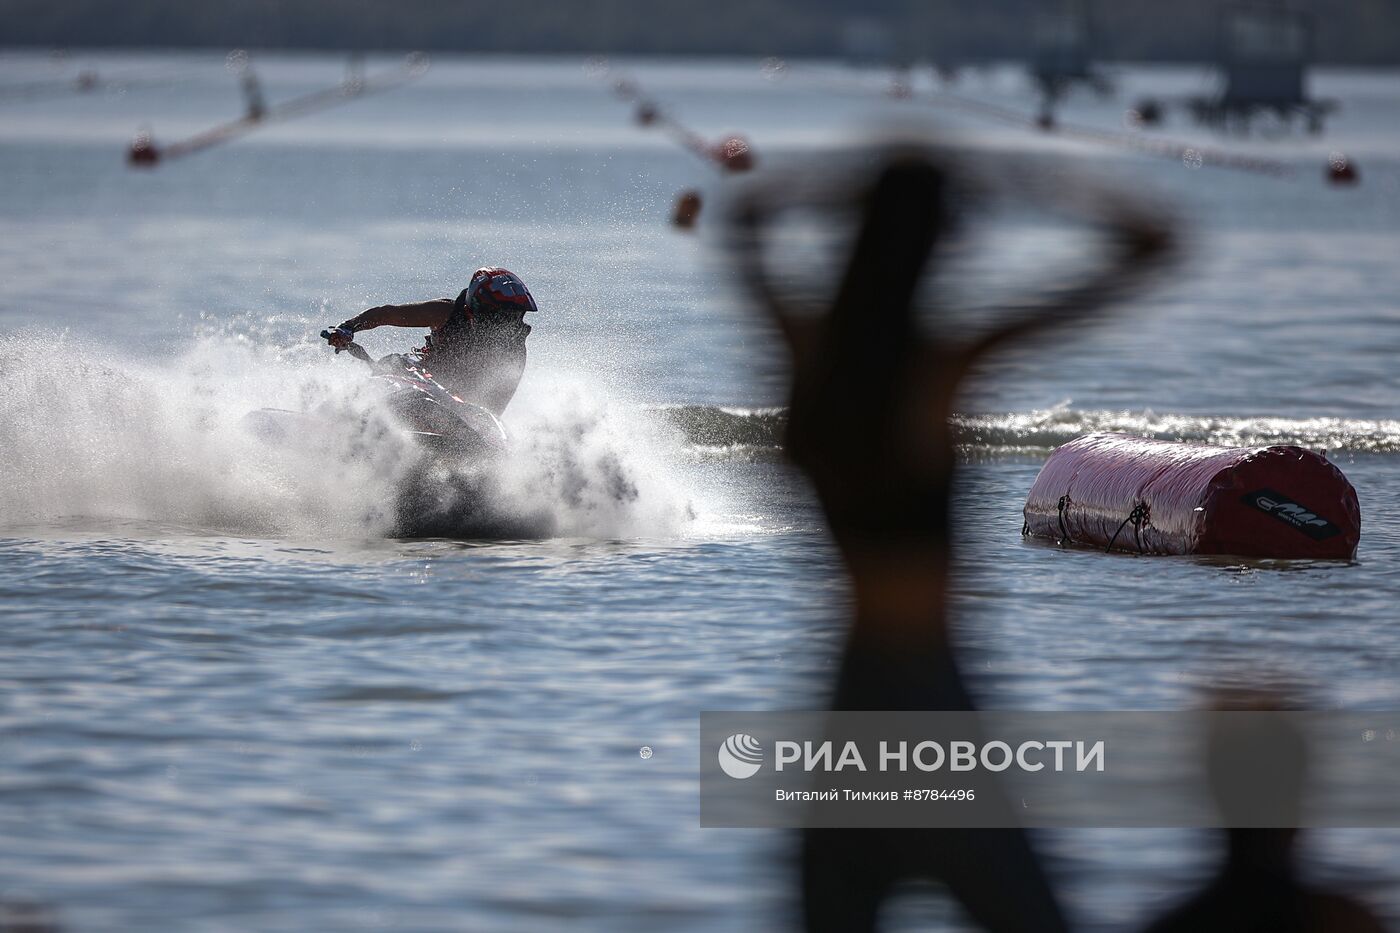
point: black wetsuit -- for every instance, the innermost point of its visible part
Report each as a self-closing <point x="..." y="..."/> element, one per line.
<point x="480" y="355"/>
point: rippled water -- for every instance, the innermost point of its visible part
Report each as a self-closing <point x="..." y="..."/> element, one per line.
<point x="231" y="701"/>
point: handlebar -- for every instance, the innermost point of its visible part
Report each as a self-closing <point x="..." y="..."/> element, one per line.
<point x="353" y="348"/>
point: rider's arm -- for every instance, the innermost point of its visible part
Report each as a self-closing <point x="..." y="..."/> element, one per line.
<point x="419" y="314"/>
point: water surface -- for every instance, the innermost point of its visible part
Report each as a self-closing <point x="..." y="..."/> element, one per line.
<point x="228" y="700"/>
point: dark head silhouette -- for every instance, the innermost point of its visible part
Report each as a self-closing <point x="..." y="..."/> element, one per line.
<point x="1257" y="770"/>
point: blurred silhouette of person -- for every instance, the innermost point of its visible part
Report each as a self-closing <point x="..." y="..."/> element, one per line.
<point x="1257" y="769"/>
<point x="870" y="400"/>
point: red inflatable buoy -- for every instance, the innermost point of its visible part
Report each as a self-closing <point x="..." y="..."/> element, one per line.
<point x="1120" y="492"/>
<point x="1340" y="170"/>
<point x="143" y="151"/>
<point x="687" y="210"/>
<point x="734" y="154"/>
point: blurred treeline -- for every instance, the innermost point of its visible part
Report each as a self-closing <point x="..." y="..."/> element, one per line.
<point x="1354" y="31"/>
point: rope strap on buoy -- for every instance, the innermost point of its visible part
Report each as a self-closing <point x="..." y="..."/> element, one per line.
<point x="1137" y="516"/>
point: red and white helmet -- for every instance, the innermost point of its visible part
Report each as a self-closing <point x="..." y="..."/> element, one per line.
<point x="495" y="289"/>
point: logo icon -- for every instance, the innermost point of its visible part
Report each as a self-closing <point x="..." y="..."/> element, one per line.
<point x="1291" y="513"/>
<point x="741" y="756"/>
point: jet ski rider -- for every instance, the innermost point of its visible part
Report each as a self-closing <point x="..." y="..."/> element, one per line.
<point x="477" y="344"/>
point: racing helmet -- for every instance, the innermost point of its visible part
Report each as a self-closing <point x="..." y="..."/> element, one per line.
<point x="495" y="289"/>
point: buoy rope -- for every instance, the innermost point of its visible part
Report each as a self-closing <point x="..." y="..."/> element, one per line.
<point x="1193" y="156"/>
<point x="349" y="89"/>
<point x="1137" y="516"/>
<point x="90" y="82"/>
<point x="730" y="155"/>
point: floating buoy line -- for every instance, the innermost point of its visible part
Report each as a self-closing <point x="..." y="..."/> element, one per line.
<point x="145" y="153"/>
<point x="733" y="153"/>
<point x="1338" y="169"/>
<point x="87" y="81"/>
<point x="730" y="155"/>
<point x="1192" y="156"/>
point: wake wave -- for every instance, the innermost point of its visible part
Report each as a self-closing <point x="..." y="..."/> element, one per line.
<point x="87" y="434"/>
<point x="758" y="432"/>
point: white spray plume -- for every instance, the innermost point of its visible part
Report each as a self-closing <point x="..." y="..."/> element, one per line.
<point x="89" y="435"/>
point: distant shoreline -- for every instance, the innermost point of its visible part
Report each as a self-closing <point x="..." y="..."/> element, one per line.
<point x="1343" y="32"/>
<point x="828" y="58"/>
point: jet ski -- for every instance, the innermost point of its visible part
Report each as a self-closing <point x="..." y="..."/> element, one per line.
<point x="426" y="411"/>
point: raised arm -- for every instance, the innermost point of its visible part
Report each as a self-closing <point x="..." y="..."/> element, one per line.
<point x="432" y="313"/>
<point x="1141" y="244"/>
<point x="748" y="232"/>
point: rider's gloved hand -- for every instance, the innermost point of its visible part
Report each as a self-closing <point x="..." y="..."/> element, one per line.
<point x="339" y="337"/>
